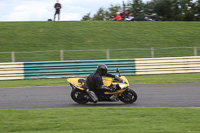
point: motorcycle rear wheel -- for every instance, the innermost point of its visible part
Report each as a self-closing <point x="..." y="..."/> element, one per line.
<point x="79" y="96"/>
<point x="128" y="96"/>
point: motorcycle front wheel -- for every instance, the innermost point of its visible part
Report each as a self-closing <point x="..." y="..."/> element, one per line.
<point x="128" y="96"/>
<point x="79" y="96"/>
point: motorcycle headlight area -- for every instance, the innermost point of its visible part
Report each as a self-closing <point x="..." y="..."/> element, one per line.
<point x="122" y="86"/>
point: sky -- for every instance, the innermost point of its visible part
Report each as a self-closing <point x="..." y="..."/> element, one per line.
<point x="42" y="10"/>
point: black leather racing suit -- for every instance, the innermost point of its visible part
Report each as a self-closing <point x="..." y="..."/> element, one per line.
<point x="95" y="81"/>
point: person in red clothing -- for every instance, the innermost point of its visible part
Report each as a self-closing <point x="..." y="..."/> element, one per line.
<point x="118" y="17"/>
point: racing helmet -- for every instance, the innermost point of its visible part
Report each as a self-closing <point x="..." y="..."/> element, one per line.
<point x="102" y="69"/>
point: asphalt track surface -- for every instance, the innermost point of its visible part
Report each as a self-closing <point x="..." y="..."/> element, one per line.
<point x="149" y="95"/>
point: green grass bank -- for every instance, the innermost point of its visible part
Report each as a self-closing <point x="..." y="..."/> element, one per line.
<point x="96" y="35"/>
<point x="35" y="36"/>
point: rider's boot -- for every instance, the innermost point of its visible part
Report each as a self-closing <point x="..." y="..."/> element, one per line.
<point x="92" y="96"/>
<point x="114" y="97"/>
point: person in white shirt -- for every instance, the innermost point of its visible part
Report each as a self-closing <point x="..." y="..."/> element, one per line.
<point x="129" y="18"/>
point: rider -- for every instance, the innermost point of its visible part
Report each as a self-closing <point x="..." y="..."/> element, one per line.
<point x="94" y="81"/>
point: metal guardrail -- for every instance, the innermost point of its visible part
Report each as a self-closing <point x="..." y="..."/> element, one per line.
<point x="11" y="71"/>
<point x="167" y="65"/>
<point x="58" y="69"/>
<point x="61" y="69"/>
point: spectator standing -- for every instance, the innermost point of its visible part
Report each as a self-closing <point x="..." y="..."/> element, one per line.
<point x="57" y="6"/>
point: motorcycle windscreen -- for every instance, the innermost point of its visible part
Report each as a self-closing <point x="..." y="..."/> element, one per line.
<point x="125" y="79"/>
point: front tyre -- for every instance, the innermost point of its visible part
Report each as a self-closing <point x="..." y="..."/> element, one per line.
<point x="79" y="96"/>
<point x="128" y="97"/>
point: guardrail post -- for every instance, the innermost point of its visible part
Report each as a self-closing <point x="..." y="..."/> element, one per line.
<point x="107" y="54"/>
<point x="61" y="55"/>
<point x="152" y="52"/>
<point x="195" y="50"/>
<point x="13" y="56"/>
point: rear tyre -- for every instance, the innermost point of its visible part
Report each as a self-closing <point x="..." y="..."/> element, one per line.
<point x="79" y="96"/>
<point x="128" y="96"/>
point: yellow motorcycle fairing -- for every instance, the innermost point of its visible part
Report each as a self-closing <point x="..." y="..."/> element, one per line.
<point x="109" y="81"/>
<point x="106" y="81"/>
<point x="74" y="82"/>
<point x="116" y="92"/>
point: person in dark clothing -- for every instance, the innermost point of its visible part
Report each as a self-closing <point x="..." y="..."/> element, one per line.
<point x="125" y="15"/>
<point x="57" y="6"/>
<point x="94" y="81"/>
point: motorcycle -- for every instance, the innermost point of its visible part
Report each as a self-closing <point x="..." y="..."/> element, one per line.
<point x="120" y="90"/>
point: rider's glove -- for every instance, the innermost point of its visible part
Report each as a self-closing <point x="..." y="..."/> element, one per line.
<point x="105" y="87"/>
<point x="117" y="78"/>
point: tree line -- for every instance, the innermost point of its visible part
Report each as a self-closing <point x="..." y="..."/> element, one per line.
<point x="154" y="10"/>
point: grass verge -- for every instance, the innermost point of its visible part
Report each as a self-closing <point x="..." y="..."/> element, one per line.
<point x="168" y="78"/>
<point x="101" y="120"/>
<point x="96" y="35"/>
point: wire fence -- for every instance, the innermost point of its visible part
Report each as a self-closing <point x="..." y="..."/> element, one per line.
<point x="126" y="53"/>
